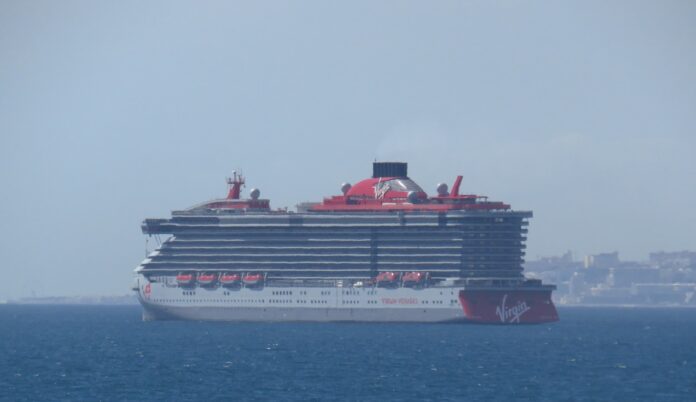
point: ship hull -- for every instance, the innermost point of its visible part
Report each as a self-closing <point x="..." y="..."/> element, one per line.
<point x="163" y="301"/>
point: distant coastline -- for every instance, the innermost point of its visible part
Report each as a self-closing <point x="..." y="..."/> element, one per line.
<point x="666" y="279"/>
<point x="76" y="300"/>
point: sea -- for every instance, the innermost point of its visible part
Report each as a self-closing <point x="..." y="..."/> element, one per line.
<point x="106" y="353"/>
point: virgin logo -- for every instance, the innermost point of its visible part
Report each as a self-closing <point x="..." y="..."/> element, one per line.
<point x="511" y="314"/>
<point x="381" y="189"/>
<point x="147" y="290"/>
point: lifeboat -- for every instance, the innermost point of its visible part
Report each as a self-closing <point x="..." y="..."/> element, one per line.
<point x="230" y="279"/>
<point x="387" y="279"/>
<point x="184" y="279"/>
<point x="207" y="279"/>
<point x="414" y="278"/>
<point x="252" y="279"/>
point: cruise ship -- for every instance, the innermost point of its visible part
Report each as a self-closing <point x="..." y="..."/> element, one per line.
<point x="381" y="251"/>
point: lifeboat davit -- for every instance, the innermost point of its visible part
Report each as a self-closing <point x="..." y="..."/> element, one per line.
<point x="414" y="278"/>
<point x="184" y="279"/>
<point x="230" y="279"/>
<point x="252" y="279"/>
<point x="207" y="279"/>
<point x="387" y="279"/>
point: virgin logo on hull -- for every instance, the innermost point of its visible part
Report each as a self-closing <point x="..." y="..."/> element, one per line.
<point x="511" y="314"/>
<point x="147" y="290"/>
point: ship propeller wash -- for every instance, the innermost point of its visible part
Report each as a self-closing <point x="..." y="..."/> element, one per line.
<point x="381" y="251"/>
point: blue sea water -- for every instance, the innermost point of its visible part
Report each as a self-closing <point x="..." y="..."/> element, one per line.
<point x="50" y="353"/>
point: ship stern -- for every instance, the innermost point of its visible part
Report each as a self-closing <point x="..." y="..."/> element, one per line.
<point x="508" y="305"/>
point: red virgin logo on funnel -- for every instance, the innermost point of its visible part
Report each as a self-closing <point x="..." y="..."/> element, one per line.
<point x="511" y="314"/>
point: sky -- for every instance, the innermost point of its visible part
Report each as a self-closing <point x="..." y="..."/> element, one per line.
<point x="112" y="112"/>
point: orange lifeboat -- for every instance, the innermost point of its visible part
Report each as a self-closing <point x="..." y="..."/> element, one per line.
<point x="207" y="279"/>
<point x="385" y="279"/>
<point x="412" y="279"/>
<point x="184" y="279"/>
<point x="230" y="279"/>
<point x="252" y="279"/>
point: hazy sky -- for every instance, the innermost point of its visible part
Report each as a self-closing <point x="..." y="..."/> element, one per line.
<point x="111" y="112"/>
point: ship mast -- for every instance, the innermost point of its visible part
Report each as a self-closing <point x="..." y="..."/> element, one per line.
<point x="235" y="184"/>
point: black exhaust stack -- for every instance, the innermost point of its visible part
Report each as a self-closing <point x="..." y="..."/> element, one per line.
<point x="389" y="169"/>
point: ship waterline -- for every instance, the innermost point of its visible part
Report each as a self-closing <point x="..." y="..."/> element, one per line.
<point x="383" y="251"/>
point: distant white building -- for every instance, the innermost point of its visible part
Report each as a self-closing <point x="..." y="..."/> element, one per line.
<point x="603" y="260"/>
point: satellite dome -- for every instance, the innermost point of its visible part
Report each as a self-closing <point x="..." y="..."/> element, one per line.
<point x="254" y="193"/>
<point x="345" y="187"/>
<point x="442" y="189"/>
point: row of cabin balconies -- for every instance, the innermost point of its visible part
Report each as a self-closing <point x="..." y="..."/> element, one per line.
<point x="368" y="232"/>
<point x="335" y="230"/>
<point x="331" y="266"/>
<point x="340" y="220"/>
<point x="310" y="261"/>
<point x="364" y="250"/>
<point x="339" y="254"/>
<point x="413" y="240"/>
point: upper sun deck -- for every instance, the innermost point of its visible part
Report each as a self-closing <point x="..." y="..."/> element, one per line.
<point x="232" y="202"/>
<point x="388" y="190"/>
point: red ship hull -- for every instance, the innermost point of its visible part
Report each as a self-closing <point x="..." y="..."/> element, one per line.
<point x="508" y="306"/>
